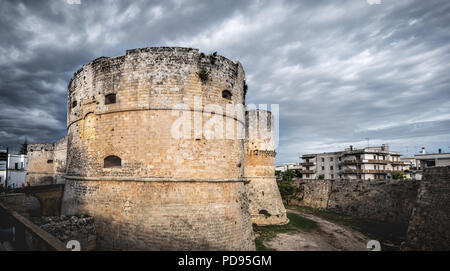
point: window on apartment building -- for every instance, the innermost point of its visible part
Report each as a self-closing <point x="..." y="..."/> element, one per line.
<point x="49" y="161"/>
<point x="340" y="167"/>
<point x="74" y="103"/>
<point x="112" y="161"/>
<point x="331" y="167"/>
<point x="323" y="168"/>
<point x="110" y="99"/>
<point x="358" y="166"/>
<point x="332" y="176"/>
<point x="21" y="164"/>
<point x="307" y="176"/>
<point x="16" y="166"/>
<point x="340" y="159"/>
<point x="331" y="159"/>
<point x="226" y="94"/>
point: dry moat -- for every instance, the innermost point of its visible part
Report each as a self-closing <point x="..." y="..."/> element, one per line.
<point x="317" y="230"/>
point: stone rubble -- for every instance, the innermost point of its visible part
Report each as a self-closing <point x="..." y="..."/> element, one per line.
<point x="67" y="228"/>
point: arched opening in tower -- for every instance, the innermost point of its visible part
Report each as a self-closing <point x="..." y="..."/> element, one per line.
<point x="226" y="94"/>
<point x="112" y="161"/>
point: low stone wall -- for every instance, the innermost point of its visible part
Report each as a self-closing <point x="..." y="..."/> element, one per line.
<point x="429" y="228"/>
<point x="315" y="193"/>
<point x="36" y="232"/>
<point x="383" y="200"/>
<point x="27" y="235"/>
<point x="21" y="203"/>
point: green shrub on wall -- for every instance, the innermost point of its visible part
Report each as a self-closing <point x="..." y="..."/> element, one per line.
<point x="203" y="75"/>
<point x="288" y="189"/>
<point x="398" y="175"/>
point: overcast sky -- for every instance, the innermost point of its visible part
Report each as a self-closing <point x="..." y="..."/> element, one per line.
<point x="341" y="71"/>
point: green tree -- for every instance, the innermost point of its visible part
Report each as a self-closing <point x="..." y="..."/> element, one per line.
<point x="288" y="189"/>
<point x="321" y="177"/>
<point x="288" y="175"/>
<point x="398" y="175"/>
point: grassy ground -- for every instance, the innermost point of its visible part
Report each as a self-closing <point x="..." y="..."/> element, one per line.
<point x="390" y="235"/>
<point x="296" y="223"/>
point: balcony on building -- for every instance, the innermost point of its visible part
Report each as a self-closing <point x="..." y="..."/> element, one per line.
<point x="366" y="161"/>
<point x="366" y="171"/>
<point x="308" y="164"/>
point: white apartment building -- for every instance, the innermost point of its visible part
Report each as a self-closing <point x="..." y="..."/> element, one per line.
<point x="17" y="170"/>
<point x="369" y="163"/>
<point x="288" y="166"/>
<point x="411" y="161"/>
<point x="315" y="165"/>
<point x="425" y="160"/>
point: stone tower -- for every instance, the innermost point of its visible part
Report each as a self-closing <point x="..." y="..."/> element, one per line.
<point x="147" y="189"/>
<point x="47" y="163"/>
<point x="266" y="206"/>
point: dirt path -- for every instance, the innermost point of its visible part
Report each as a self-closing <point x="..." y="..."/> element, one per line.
<point x="331" y="236"/>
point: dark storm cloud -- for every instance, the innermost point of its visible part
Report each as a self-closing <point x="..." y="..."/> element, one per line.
<point x="342" y="71"/>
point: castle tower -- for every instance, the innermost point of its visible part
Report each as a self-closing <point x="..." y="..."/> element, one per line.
<point x="46" y="163"/>
<point x="147" y="188"/>
<point x="266" y="206"/>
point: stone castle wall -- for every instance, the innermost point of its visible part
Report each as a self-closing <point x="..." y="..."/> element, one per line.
<point x="316" y="193"/>
<point x="46" y="163"/>
<point x="383" y="200"/>
<point x="25" y="205"/>
<point x="266" y="206"/>
<point x="430" y="221"/>
<point x="150" y="215"/>
<point x="168" y="193"/>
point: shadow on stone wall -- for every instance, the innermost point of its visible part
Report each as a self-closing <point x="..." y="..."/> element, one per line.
<point x="382" y="200"/>
<point x="422" y="206"/>
<point x="26" y="205"/>
<point x="429" y="227"/>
